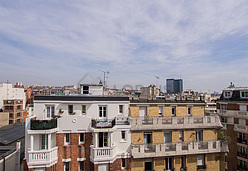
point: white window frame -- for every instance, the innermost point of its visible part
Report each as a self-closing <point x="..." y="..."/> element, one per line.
<point x="245" y="93"/>
<point x="67" y="142"/>
<point x="68" y="109"/>
<point x="44" y="142"/>
<point x="50" y="112"/>
<point x="227" y="94"/>
<point x="102" y="111"/>
<point x="123" y="139"/>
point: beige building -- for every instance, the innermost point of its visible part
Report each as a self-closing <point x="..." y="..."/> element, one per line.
<point x="15" y="110"/>
<point x="175" y="136"/>
<point x="4" y="119"/>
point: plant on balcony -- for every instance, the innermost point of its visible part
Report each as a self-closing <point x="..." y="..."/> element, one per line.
<point x="73" y="113"/>
<point x="56" y="116"/>
<point x="224" y="138"/>
<point x="61" y="111"/>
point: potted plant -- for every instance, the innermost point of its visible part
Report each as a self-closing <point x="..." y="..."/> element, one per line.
<point x="61" y="111"/>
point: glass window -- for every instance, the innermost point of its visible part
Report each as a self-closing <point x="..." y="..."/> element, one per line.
<point x="123" y="135"/>
<point x="123" y="163"/>
<point x="18" y="114"/>
<point x="67" y="138"/>
<point x="50" y="111"/>
<point x="85" y="89"/>
<point x="183" y="160"/>
<point x="102" y="111"/>
<point x="81" y="137"/>
<point x="168" y="163"/>
<point x="66" y="166"/>
<point x="81" y="166"/>
<point x="121" y="109"/>
<point x="189" y="111"/>
<point x="44" y="141"/>
<point x="201" y="160"/>
<point x="173" y="111"/>
<point x="198" y="135"/>
<point x="19" y="107"/>
<point x="83" y="109"/>
<point x="70" y="109"/>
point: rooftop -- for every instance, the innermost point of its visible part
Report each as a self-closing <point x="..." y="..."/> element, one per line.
<point x="11" y="133"/>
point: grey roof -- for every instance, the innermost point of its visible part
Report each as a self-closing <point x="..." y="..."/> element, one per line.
<point x="10" y="135"/>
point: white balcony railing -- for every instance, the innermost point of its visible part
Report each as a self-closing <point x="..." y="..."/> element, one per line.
<point x="102" y="153"/>
<point x="43" y="157"/>
<point x="181" y="148"/>
<point x="158" y="123"/>
<point x="233" y="113"/>
<point x="241" y="128"/>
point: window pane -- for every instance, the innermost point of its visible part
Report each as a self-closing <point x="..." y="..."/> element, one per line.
<point x="48" y="111"/>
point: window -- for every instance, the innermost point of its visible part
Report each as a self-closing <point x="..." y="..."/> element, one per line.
<point x="10" y="115"/>
<point x="223" y="120"/>
<point x="81" y="138"/>
<point x="201" y="160"/>
<point x="50" y="111"/>
<point x="67" y="138"/>
<point x="223" y="107"/>
<point x="83" y="109"/>
<point x="167" y="137"/>
<point x="19" y="107"/>
<point x="81" y="166"/>
<point x="168" y="163"/>
<point x="160" y="110"/>
<point x="227" y="94"/>
<point x="183" y="162"/>
<point x="173" y="111"/>
<point x="103" y="139"/>
<point x="123" y="163"/>
<point x="18" y="120"/>
<point x="244" y="94"/>
<point x="123" y="135"/>
<point x="85" y="89"/>
<point x="102" y="111"/>
<point x="189" y="111"/>
<point x="18" y="114"/>
<point x="198" y="135"/>
<point x="70" y="109"/>
<point x="121" y="109"/>
<point x="10" y="121"/>
<point x="181" y="137"/>
<point x="66" y="166"/>
<point x="44" y="141"/>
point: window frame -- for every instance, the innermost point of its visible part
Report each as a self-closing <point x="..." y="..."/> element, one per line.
<point x="102" y="111"/>
<point x="79" y="164"/>
<point x="121" y="109"/>
<point x="173" y="110"/>
<point x="245" y="96"/>
<point x="123" y="135"/>
<point x="123" y="163"/>
<point x="83" y="109"/>
<point x="80" y="136"/>
<point x="44" y="142"/>
<point x="66" y="138"/>
<point x="70" y="109"/>
<point x="66" y="164"/>
<point x="51" y="110"/>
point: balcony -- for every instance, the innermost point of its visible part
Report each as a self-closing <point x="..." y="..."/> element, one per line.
<point x="102" y="153"/>
<point x="242" y="141"/>
<point x="43" y="157"/>
<point x="241" y="128"/>
<point x="233" y="113"/>
<point x="181" y="148"/>
<point x="110" y="123"/>
<point x="190" y="122"/>
<point x="43" y="124"/>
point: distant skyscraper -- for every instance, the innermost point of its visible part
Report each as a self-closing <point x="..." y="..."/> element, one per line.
<point x="174" y="85"/>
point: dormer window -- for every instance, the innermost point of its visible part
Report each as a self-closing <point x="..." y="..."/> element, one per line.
<point x="85" y="89"/>
<point x="244" y="94"/>
<point x="227" y="94"/>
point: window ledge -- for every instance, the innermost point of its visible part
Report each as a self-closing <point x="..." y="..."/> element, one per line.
<point x="123" y="141"/>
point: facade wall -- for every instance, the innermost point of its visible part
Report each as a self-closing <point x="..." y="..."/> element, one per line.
<point x="4" y="119"/>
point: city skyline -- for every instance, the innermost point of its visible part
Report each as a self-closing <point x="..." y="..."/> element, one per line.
<point x="58" y="42"/>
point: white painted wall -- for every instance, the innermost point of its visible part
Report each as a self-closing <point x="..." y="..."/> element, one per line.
<point x="7" y="92"/>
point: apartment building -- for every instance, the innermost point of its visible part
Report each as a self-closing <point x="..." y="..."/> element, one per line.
<point x="233" y="111"/>
<point x="15" y="110"/>
<point x="79" y="132"/>
<point x="175" y="135"/>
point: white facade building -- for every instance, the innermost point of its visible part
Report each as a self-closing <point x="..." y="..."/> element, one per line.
<point x="100" y="125"/>
<point x="7" y="92"/>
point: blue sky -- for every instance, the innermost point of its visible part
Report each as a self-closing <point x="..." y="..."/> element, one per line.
<point x="58" y="42"/>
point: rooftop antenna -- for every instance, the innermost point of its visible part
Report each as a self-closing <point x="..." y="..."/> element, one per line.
<point x="104" y="80"/>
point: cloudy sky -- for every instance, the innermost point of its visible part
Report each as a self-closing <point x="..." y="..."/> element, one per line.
<point x="58" y="42"/>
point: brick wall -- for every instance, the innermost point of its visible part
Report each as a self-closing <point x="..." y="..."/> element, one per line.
<point x="153" y="111"/>
<point x="134" y="111"/>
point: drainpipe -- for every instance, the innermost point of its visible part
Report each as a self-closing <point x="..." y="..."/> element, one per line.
<point x="18" y="152"/>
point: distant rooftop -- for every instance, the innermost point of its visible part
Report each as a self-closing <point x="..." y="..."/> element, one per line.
<point x="11" y="133"/>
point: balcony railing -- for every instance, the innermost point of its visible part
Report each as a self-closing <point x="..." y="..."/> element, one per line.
<point x="241" y="128"/>
<point x="181" y="148"/>
<point x="109" y="123"/>
<point x="43" y="157"/>
<point x="234" y="113"/>
<point x="102" y="153"/>
<point x="158" y="123"/>
<point x="43" y="124"/>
